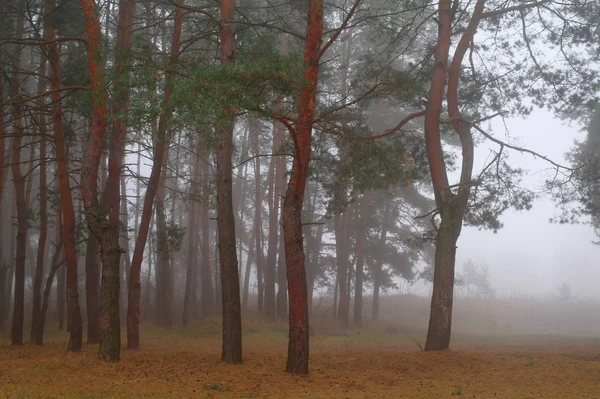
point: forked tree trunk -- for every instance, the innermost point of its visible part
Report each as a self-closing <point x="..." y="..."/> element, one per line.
<point x="452" y="206"/>
<point x="230" y="283"/>
<point x="298" y="345"/>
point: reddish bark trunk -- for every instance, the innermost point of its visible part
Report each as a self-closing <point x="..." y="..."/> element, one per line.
<point x="133" y="310"/>
<point x="298" y="348"/>
<point x="100" y="220"/>
<point x="19" y="185"/>
<point x="452" y="206"/>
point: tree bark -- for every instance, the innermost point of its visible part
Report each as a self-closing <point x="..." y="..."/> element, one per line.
<point x="298" y="346"/>
<point x="101" y="221"/>
<point x="230" y="284"/>
<point x="452" y="206"/>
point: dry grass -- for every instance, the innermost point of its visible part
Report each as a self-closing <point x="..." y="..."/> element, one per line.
<point x="381" y="361"/>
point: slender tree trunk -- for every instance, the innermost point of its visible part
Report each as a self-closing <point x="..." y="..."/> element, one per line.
<point x="230" y="283"/>
<point x="19" y="184"/>
<point x="298" y="348"/>
<point x="378" y="264"/>
<point x="55" y="265"/>
<point x="92" y="277"/>
<point x="125" y="259"/>
<point x="189" y="301"/>
<point x="61" y="291"/>
<point x="41" y="250"/>
<point x="249" y="259"/>
<point x="163" y="269"/>
<point x="255" y="133"/>
<point x="282" y="303"/>
<point x="206" y="275"/>
<point x="362" y="218"/>
<point x="133" y="311"/>
<point x="343" y="266"/>
<point x="273" y="199"/>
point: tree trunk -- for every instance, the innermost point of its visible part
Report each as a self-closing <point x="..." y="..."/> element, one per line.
<point x="249" y="259"/>
<point x="298" y="346"/>
<point x="189" y="300"/>
<point x="452" y="206"/>
<point x="206" y="275"/>
<point x="282" y="303"/>
<point x="273" y="199"/>
<point x="230" y="283"/>
<point x="19" y="184"/>
<point x="163" y="269"/>
<point x="61" y="291"/>
<point x="341" y="251"/>
<point x="92" y="277"/>
<point x="361" y="219"/>
<point x="55" y="265"/>
<point x="41" y="249"/>
<point x="255" y="133"/>
<point x="101" y="221"/>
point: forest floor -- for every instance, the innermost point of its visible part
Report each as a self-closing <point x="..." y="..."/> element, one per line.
<point x="376" y="362"/>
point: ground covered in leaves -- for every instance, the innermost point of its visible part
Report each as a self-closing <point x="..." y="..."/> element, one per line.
<point x="376" y="362"/>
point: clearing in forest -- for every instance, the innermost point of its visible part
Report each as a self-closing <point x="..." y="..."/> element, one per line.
<point x="377" y="362"/>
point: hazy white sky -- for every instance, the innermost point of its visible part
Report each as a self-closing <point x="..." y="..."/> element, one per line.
<point x="531" y="256"/>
